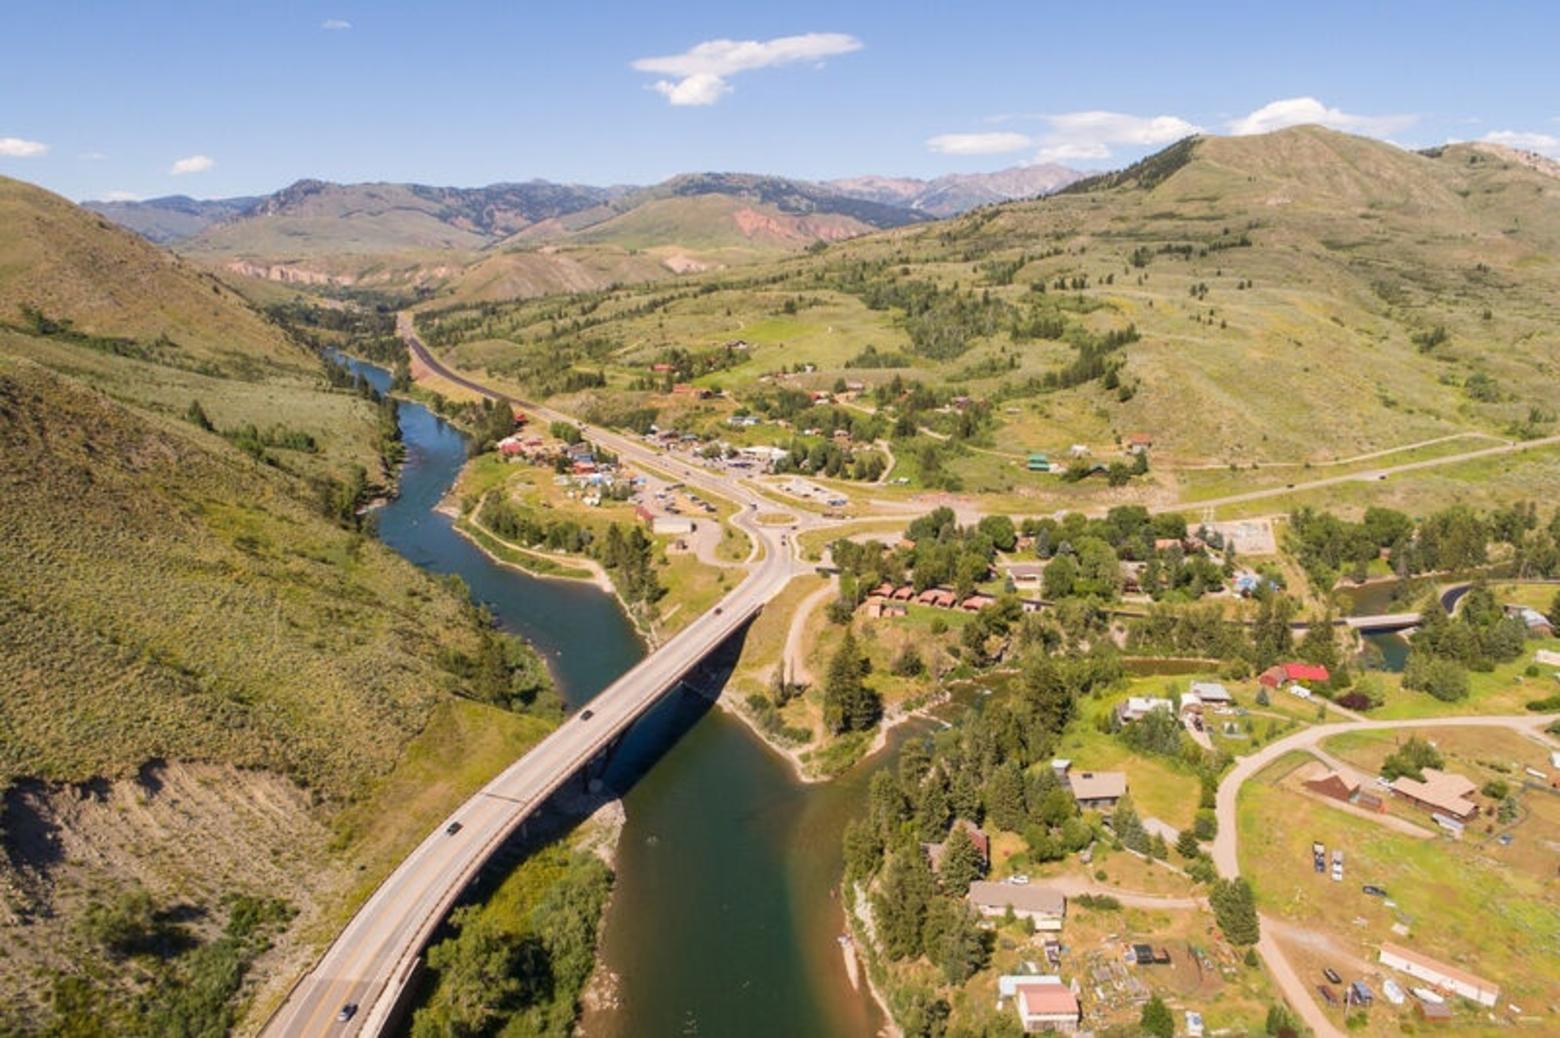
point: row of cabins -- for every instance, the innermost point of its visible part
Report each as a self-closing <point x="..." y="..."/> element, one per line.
<point x="937" y="597"/>
<point x="1201" y="696"/>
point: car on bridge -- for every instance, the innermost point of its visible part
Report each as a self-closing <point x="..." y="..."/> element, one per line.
<point x="452" y="828"/>
<point x="347" y="1012"/>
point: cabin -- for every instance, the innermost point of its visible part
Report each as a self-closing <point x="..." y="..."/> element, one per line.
<point x="879" y="607"/>
<point x="978" y="837"/>
<point x="1211" y="693"/>
<point x="1045" y="907"/>
<point x="1139" y="443"/>
<point x="1025" y="572"/>
<point x="1537" y="624"/>
<point x="1440" y="975"/>
<point x="976" y="602"/>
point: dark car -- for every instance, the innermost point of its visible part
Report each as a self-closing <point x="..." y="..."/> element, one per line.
<point x="586" y="715"/>
<point x="1332" y="975"/>
<point x="1373" y="890"/>
<point x="717" y="610"/>
<point x="452" y="828"/>
<point x="1327" y="994"/>
<point x="347" y="1012"/>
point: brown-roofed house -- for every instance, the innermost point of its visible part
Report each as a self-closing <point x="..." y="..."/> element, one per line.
<point x="1440" y="791"/>
<point x="1334" y="784"/>
<point x="978" y="837"/>
<point x="1099" y="790"/>
<point x="1047" y="1007"/>
<point x="1045" y="906"/>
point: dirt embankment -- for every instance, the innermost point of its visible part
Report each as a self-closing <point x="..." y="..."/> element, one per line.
<point x="188" y="833"/>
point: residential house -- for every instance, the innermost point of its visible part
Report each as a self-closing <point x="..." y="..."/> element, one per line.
<point x="1211" y="693"/>
<point x="1440" y="975"/>
<point x="880" y="608"/>
<point x="1026" y="572"/>
<point x="1336" y="785"/>
<point x="1440" y="792"/>
<point x="1097" y="790"/>
<point x="903" y="594"/>
<point x="1044" y="906"/>
<point x="1538" y="625"/>
<point x="978" y="837"/>
<point x="1134" y="707"/>
<point x="1139" y="443"/>
<point x="510" y="447"/>
<point x="1043" y="1003"/>
<point x="1279" y="673"/>
<point x="976" y="602"/>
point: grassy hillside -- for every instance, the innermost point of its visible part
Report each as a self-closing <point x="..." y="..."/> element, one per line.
<point x="192" y="624"/>
<point x="1300" y="296"/>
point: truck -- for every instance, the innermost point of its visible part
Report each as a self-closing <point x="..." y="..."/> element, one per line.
<point x="1318" y="857"/>
<point x="1337" y="866"/>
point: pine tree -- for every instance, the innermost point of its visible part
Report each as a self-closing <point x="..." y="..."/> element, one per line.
<point x="1005" y="797"/>
<point x="961" y="863"/>
<point x="1235" y="910"/>
<point x="1156" y="1019"/>
<point x="848" y="704"/>
<point x="1186" y="844"/>
<point x="899" y="908"/>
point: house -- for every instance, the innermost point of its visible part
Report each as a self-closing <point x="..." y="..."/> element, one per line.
<point x="510" y="447"/>
<point x="1039" y="463"/>
<point x="662" y="369"/>
<point x="1211" y="693"/>
<point x="1134" y="707"/>
<point x="1538" y="625"/>
<point x="1433" y="1012"/>
<point x="883" y="590"/>
<point x="1044" y="906"/>
<point x="1132" y="576"/>
<point x="1139" y="443"/>
<point x="1044" y="1003"/>
<point x="978" y="837"/>
<point x="1440" y="792"/>
<point x="1026" y="572"/>
<point x="1099" y="790"/>
<point x="903" y="594"/>
<point x="1439" y="975"/>
<point x="1279" y="673"/>
<point x="1334" y="784"/>
<point x="881" y="608"/>
<point x="976" y="602"/>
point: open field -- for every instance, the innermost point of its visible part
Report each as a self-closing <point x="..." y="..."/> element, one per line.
<point x="1458" y="903"/>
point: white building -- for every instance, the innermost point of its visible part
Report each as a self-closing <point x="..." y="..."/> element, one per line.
<point x="1044" y="1003"/>
<point x="1440" y="975"/>
<point x="1045" y="907"/>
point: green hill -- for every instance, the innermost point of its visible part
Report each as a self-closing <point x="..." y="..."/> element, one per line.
<point x="192" y="624"/>
<point x="1299" y="296"/>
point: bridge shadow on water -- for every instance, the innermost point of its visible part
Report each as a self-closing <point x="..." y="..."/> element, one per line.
<point x="637" y="751"/>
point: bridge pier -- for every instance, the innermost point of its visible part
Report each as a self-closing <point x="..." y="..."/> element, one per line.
<point x="595" y="769"/>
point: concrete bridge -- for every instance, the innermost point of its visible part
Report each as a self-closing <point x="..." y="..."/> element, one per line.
<point x="373" y="963"/>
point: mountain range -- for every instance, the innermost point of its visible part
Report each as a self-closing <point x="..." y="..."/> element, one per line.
<point x="453" y="217"/>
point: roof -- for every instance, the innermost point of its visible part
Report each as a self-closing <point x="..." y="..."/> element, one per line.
<point x="1439" y="789"/>
<point x="1041" y="999"/>
<point x="1210" y="692"/>
<point x="1021" y="898"/>
<point x="1025" y="570"/>
<point x="1098" y="785"/>
<point x="1305" y="672"/>
<point x="1449" y="972"/>
<point x="1350" y="783"/>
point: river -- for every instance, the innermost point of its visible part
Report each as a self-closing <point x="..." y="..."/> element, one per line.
<point x="723" y="919"/>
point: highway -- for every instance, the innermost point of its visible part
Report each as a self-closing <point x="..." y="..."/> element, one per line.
<point x="373" y="958"/>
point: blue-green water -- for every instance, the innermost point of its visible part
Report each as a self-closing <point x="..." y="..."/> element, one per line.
<point x="723" y="919"/>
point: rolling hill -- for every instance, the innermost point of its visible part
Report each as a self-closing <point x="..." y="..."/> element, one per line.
<point x="210" y="671"/>
<point x="1293" y="297"/>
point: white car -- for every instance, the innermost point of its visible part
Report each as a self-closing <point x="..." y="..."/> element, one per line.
<point x="1019" y="880"/>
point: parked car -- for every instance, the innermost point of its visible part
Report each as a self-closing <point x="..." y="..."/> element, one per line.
<point x="1373" y="890"/>
<point x="1332" y="975"/>
<point x="1019" y="880"/>
<point x="1327" y="993"/>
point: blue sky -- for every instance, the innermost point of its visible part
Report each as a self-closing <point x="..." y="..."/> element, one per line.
<point x="216" y="99"/>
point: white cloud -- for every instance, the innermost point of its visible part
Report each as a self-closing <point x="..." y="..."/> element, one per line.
<point x="1094" y="135"/>
<point x="1543" y="143"/>
<point x="193" y="164"/>
<point x="335" y="24"/>
<point x="16" y="148"/>
<point x="121" y="196"/>
<point x="1297" y="111"/>
<point x="978" y="143"/>
<point x="700" y="74"/>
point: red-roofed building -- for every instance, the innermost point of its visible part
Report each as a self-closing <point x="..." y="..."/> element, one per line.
<point x="975" y="603"/>
<point x="1046" y="1004"/>
<point x="1279" y="673"/>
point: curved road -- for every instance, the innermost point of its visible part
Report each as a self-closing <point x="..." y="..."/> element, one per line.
<point x="371" y="961"/>
<point x="1226" y="859"/>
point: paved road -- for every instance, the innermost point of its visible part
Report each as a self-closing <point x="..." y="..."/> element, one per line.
<point x="374" y="957"/>
<point x="1226" y="859"/>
